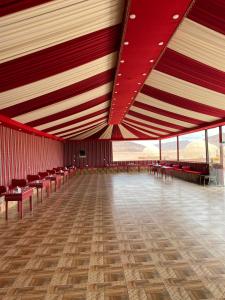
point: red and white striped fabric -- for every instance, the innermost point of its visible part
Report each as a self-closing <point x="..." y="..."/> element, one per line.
<point x="23" y="154"/>
<point x="60" y="69"/>
<point x="58" y="62"/>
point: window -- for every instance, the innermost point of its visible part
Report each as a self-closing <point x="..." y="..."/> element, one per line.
<point x="192" y="147"/>
<point x="135" y="150"/>
<point x="223" y="134"/>
<point x="169" y="149"/>
<point x="214" y="145"/>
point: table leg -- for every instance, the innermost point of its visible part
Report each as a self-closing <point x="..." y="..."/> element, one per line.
<point x="41" y="194"/>
<point x="37" y="193"/>
<point x="48" y="190"/>
<point x="18" y="206"/>
<point x="6" y="209"/>
<point x="31" y="204"/>
<point x="21" y="209"/>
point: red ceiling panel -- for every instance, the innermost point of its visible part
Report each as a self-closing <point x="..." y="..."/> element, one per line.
<point x="148" y="28"/>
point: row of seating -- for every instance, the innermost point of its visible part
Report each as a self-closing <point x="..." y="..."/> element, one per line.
<point x="21" y="189"/>
<point x="115" y="167"/>
<point x="181" y="170"/>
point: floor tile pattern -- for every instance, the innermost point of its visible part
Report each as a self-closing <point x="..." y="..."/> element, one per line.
<point x="117" y="237"/>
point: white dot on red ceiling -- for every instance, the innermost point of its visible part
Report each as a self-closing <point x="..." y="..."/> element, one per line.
<point x="151" y="60"/>
<point x="126" y="43"/>
<point x="117" y="84"/>
<point x="144" y="74"/>
<point x="160" y="43"/>
<point x="176" y="16"/>
<point x="139" y="83"/>
<point x="119" y="74"/>
<point x="135" y="91"/>
<point x="132" y="16"/>
<point x="116" y="92"/>
<point x="122" y="61"/>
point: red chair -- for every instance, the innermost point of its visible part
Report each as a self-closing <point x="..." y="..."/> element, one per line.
<point x="43" y="174"/>
<point x="18" y="182"/>
<point x="3" y="190"/>
<point x="33" y="177"/>
<point x="51" y="172"/>
<point x="58" y="169"/>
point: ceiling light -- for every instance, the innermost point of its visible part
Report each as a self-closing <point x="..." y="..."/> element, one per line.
<point x="116" y="92"/>
<point x="160" y="43"/>
<point x="132" y="16"/>
<point x="122" y="61"/>
<point x="117" y="84"/>
<point x="144" y="74"/>
<point x="139" y="83"/>
<point x="176" y="16"/>
<point x="135" y="91"/>
<point x="126" y="43"/>
<point x="151" y="60"/>
<point x="119" y="74"/>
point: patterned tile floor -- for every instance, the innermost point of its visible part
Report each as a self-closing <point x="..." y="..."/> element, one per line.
<point x="117" y="237"/>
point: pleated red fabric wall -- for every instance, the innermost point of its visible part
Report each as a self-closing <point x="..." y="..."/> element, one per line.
<point x="22" y="154"/>
<point x="98" y="153"/>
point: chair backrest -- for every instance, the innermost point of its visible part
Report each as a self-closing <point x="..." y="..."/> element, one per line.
<point x="213" y="172"/>
<point x="18" y="182"/>
<point x="33" y="177"/>
<point x="57" y="169"/>
<point x="43" y="174"/>
<point x="2" y="189"/>
<point x="51" y="171"/>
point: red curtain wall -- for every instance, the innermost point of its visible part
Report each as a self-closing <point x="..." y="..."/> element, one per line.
<point x="98" y="153"/>
<point x="22" y="154"/>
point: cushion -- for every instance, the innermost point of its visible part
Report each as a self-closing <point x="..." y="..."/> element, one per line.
<point x="176" y="166"/>
<point x="186" y="168"/>
<point x="193" y="172"/>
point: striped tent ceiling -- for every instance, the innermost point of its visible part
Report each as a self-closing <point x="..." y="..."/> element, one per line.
<point x="112" y="69"/>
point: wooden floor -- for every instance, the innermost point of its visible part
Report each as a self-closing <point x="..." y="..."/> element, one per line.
<point x="117" y="237"/>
